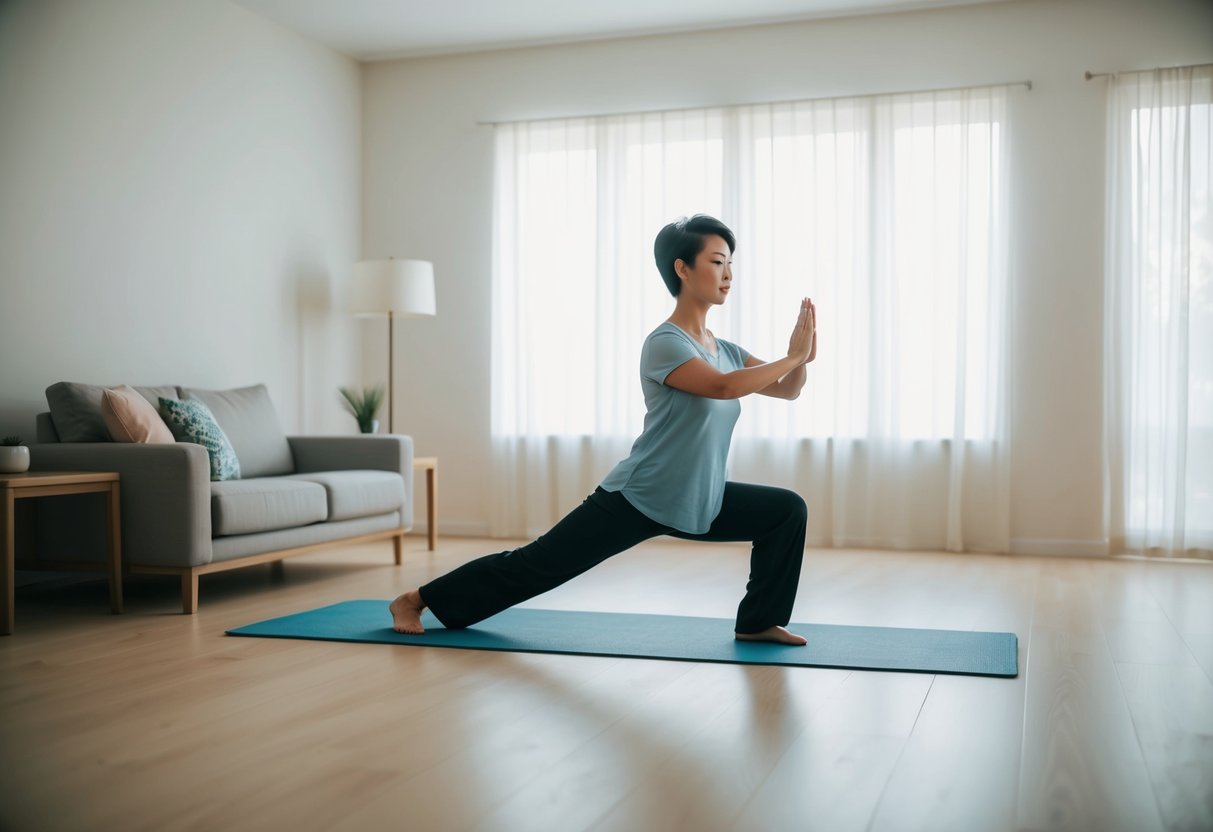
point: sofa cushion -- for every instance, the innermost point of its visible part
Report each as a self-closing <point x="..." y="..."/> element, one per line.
<point x="76" y="409"/>
<point x="248" y="418"/>
<point x="191" y="421"/>
<point x="358" y="493"/>
<point x="265" y="504"/>
<point x="129" y="417"/>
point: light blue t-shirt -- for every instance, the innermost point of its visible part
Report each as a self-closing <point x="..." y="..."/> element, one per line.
<point x="675" y="473"/>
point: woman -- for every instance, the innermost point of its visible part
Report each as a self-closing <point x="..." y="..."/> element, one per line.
<point x="673" y="481"/>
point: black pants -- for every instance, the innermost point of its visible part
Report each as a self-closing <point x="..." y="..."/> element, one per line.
<point x="606" y="524"/>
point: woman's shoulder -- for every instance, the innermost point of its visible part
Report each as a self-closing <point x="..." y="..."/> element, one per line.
<point x="668" y="332"/>
<point x="666" y="327"/>
<point x="667" y="343"/>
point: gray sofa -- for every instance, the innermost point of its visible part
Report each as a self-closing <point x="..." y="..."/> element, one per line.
<point x="296" y="493"/>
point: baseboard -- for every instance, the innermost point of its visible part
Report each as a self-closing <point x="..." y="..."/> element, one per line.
<point x="457" y="529"/>
<point x="1065" y="547"/>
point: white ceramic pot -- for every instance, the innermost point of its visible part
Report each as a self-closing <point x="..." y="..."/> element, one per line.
<point x="14" y="459"/>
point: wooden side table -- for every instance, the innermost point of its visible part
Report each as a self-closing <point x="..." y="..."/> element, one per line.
<point x="49" y="484"/>
<point x="429" y="464"/>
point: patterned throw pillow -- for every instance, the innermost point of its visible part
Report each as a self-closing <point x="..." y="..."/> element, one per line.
<point x="192" y="421"/>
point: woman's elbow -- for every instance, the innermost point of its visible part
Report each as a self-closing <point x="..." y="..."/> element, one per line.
<point x="726" y="388"/>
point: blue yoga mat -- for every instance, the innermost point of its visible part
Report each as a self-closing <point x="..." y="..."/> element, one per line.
<point x="524" y="630"/>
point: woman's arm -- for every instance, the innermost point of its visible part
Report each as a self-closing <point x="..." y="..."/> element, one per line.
<point x="787" y="387"/>
<point x="702" y="379"/>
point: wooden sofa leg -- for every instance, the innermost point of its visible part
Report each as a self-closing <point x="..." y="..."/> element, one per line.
<point x="189" y="592"/>
<point x="277" y="570"/>
<point x="398" y="548"/>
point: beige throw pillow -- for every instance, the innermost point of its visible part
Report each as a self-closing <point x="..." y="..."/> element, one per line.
<point x="130" y="418"/>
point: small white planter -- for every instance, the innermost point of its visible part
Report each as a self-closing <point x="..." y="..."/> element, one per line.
<point x="14" y="459"/>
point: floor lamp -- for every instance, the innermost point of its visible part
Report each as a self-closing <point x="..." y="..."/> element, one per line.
<point x="392" y="289"/>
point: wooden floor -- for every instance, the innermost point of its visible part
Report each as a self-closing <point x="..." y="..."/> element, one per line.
<point x="156" y="721"/>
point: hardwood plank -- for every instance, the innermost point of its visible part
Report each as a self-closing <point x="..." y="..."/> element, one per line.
<point x="834" y="773"/>
<point x="706" y="769"/>
<point x="420" y="757"/>
<point x="1201" y="646"/>
<point x="959" y="769"/>
<point x="1080" y="767"/>
<point x="833" y="783"/>
<point x="1154" y="642"/>
<point x="1172" y="709"/>
<point x="1064" y="603"/>
<point x="496" y="759"/>
<point x="1183" y="591"/>
<point x="1136" y="626"/>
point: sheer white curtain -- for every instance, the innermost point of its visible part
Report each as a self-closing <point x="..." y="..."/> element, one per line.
<point x="890" y="211"/>
<point x="1158" y="326"/>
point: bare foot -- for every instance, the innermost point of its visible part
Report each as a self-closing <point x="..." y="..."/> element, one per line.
<point x="776" y="634"/>
<point x="406" y="613"/>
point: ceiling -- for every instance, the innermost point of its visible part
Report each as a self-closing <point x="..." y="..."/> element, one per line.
<point x="372" y="30"/>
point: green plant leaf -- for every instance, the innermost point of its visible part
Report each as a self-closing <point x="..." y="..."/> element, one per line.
<point x="363" y="404"/>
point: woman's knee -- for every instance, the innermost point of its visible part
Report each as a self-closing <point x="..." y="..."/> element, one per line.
<point x="796" y="507"/>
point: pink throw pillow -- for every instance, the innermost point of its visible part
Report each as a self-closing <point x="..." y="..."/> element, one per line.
<point x="131" y="418"/>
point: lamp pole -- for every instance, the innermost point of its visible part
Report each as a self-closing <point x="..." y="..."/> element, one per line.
<point x="391" y="375"/>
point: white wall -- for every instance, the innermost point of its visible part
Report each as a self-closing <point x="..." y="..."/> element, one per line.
<point x="179" y="203"/>
<point x="428" y="185"/>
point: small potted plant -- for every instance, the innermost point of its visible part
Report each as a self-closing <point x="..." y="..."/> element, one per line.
<point x="364" y="406"/>
<point x="14" y="456"/>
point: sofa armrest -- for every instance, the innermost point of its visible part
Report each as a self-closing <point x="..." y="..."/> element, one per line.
<point x="165" y="501"/>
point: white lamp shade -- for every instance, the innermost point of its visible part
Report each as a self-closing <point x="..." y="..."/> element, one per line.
<point x="405" y="288"/>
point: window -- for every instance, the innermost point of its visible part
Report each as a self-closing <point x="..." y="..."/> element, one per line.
<point x="1159" y="322"/>
<point x="886" y="210"/>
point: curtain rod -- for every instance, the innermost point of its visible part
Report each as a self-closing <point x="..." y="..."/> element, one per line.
<point x="1089" y="74"/>
<point x="1027" y="84"/>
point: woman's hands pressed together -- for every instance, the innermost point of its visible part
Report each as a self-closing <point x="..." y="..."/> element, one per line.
<point x="803" y="343"/>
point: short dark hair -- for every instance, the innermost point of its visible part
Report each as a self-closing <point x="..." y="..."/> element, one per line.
<point x="683" y="239"/>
